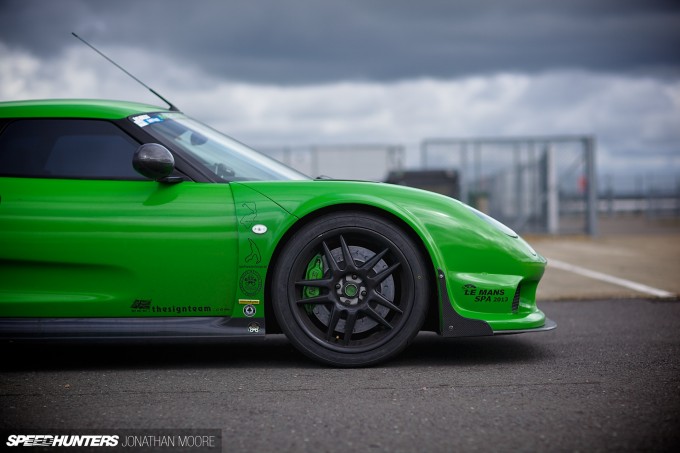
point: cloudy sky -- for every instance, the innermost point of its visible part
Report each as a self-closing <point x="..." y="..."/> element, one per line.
<point x="300" y="72"/>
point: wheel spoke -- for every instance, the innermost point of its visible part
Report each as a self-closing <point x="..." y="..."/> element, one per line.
<point x="332" y="323"/>
<point x="321" y="283"/>
<point x="329" y="257"/>
<point x="347" y="255"/>
<point x="368" y="265"/>
<point x="349" y="328"/>
<point x="382" y="300"/>
<point x="323" y="299"/>
<point x="382" y="275"/>
<point x="376" y="317"/>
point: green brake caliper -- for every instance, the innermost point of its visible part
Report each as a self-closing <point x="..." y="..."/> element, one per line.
<point x="314" y="272"/>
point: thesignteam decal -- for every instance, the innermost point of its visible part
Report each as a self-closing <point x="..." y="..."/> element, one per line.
<point x="146" y="306"/>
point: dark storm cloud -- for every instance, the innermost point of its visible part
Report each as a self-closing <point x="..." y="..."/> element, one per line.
<point x="300" y="41"/>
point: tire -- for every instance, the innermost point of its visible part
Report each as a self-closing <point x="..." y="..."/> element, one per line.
<point x="350" y="289"/>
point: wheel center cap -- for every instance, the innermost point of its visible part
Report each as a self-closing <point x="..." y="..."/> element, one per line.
<point x="351" y="290"/>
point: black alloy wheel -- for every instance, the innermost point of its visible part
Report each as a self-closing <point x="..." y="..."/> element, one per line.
<point x="350" y="289"/>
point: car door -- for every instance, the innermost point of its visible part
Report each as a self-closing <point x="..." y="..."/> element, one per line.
<point x="83" y="235"/>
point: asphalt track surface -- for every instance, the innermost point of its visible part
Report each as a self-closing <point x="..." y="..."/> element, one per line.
<point x="608" y="379"/>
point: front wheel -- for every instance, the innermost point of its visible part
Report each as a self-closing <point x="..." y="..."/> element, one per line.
<point x="350" y="289"/>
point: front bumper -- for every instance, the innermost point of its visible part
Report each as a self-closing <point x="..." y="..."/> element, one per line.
<point x="520" y="315"/>
<point x="549" y="325"/>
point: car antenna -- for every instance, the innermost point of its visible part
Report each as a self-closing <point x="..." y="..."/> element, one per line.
<point x="170" y="104"/>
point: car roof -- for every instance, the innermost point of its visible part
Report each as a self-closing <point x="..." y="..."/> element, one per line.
<point x="75" y="108"/>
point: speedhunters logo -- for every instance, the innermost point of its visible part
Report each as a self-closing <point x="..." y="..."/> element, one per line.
<point x="40" y="440"/>
<point x="129" y="440"/>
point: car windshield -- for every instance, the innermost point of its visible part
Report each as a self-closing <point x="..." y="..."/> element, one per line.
<point x="223" y="156"/>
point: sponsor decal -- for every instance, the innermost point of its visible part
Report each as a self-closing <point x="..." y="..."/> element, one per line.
<point x="145" y="120"/>
<point x="249" y="302"/>
<point x="141" y="305"/>
<point x="182" y="309"/>
<point x="259" y="229"/>
<point x="251" y="214"/>
<point x="249" y="310"/>
<point x="485" y="295"/>
<point x="469" y="290"/>
<point x="253" y="327"/>
<point x="250" y="282"/>
<point x="254" y="257"/>
<point x="145" y="306"/>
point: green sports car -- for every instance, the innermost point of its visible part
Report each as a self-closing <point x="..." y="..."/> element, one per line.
<point x="126" y="221"/>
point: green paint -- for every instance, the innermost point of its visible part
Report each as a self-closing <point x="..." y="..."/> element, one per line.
<point x="94" y="248"/>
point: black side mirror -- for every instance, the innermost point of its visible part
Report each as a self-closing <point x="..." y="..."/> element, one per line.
<point x="153" y="161"/>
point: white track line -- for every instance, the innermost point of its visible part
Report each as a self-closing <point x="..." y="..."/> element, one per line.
<point x="609" y="278"/>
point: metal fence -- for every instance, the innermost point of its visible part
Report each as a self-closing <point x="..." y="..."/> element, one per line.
<point x="533" y="184"/>
<point x="651" y="196"/>
<point x="362" y="162"/>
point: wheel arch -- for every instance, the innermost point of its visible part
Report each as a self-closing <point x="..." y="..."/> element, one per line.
<point x="432" y="318"/>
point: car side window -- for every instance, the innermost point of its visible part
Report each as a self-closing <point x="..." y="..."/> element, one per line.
<point x="67" y="148"/>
